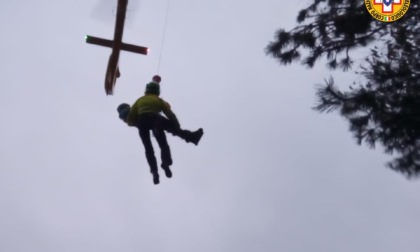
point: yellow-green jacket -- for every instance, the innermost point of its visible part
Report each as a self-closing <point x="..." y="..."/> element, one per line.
<point x="150" y="103"/>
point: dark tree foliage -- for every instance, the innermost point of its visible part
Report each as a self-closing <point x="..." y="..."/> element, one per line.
<point x="385" y="107"/>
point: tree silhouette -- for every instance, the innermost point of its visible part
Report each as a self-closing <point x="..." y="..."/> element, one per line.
<point x="384" y="108"/>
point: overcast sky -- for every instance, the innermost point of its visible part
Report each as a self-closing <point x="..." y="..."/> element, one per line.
<point x="270" y="174"/>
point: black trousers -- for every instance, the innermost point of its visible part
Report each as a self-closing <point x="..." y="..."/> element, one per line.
<point x="158" y="124"/>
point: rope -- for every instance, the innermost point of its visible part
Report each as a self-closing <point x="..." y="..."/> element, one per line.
<point x="163" y="34"/>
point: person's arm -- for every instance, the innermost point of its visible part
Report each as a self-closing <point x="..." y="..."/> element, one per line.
<point x="172" y="117"/>
<point x="169" y="113"/>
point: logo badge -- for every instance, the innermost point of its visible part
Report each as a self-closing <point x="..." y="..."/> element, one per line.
<point x="387" y="10"/>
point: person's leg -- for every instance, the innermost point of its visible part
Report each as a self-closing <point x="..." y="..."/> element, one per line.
<point x="144" y="132"/>
<point x="187" y="135"/>
<point x="160" y="136"/>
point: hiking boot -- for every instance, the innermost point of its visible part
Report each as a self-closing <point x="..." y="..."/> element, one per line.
<point x="155" y="178"/>
<point x="168" y="171"/>
<point x="196" y="136"/>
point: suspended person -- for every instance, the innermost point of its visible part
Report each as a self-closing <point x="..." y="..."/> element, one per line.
<point x="145" y="114"/>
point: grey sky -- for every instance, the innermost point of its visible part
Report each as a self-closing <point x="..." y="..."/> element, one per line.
<point x="269" y="175"/>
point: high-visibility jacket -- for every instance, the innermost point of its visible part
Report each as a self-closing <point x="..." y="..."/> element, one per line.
<point x="150" y="103"/>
